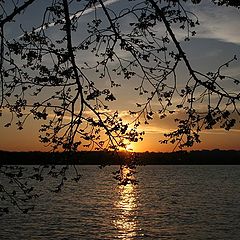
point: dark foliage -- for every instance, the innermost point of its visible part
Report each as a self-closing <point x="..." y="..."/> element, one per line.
<point x="41" y="77"/>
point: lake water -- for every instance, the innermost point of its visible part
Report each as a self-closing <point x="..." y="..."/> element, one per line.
<point x="169" y="202"/>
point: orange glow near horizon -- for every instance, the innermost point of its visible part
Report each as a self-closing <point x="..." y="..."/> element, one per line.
<point x="27" y="140"/>
<point x="210" y="140"/>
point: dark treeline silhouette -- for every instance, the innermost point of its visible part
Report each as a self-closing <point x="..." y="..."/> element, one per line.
<point x="117" y="158"/>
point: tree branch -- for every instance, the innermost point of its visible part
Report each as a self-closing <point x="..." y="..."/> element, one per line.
<point x="182" y="54"/>
<point x="15" y="12"/>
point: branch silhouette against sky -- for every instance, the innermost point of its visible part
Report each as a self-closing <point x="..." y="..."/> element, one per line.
<point x="114" y="75"/>
<point x="119" y="74"/>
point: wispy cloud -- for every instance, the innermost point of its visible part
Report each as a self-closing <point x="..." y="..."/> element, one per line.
<point x="89" y="10"/>
<point x="76" y="15"/>
<point x="220" y="23"/>
<point x="220" y="131"/>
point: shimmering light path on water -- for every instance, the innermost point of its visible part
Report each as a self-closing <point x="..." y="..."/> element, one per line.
<point x="170" y="202"/>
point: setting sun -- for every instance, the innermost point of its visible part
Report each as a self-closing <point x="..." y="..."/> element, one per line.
<point x="129" y="148"/>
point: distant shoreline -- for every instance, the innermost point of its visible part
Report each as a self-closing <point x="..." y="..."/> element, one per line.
<point x="203" y="157"/>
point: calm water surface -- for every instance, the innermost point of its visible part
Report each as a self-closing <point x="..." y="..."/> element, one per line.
<point x="170" y="202"/>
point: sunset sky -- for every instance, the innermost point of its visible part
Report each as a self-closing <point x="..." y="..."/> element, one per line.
<point x="216" y="42"/>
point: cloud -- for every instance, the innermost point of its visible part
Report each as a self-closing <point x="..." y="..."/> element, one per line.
<point x="76" y="15"/>
<point x="220" y="23"/>
<point x="89" y="10"/>
<point x="220" y="131"/>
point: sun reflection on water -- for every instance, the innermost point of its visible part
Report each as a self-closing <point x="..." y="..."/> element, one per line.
<point x="126" y="206"/>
